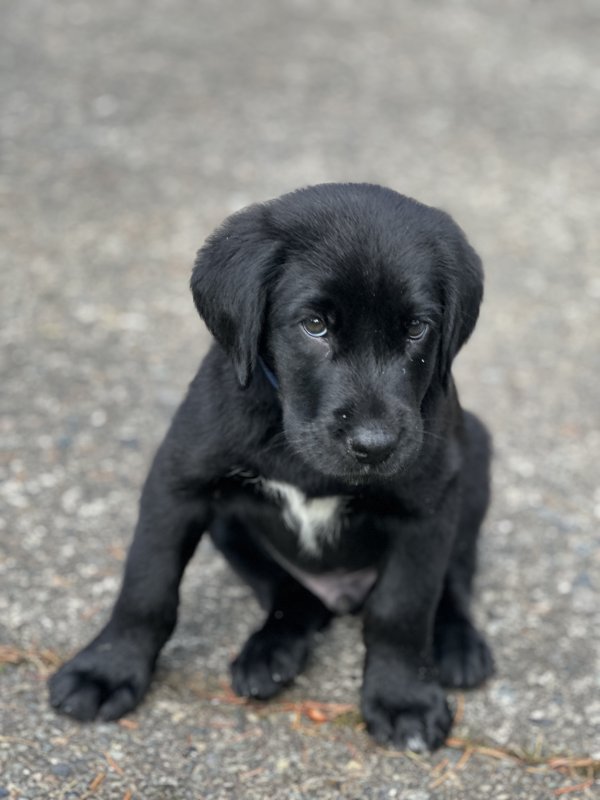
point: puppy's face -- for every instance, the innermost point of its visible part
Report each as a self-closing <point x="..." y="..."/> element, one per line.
<point x="358" y="298"/>
<point x="353" y="339"/>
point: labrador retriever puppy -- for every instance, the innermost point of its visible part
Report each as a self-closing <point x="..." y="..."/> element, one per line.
<point x="323" y="448"/>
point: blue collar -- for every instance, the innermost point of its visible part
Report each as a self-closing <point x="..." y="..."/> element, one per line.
<point x="269" y="374"/>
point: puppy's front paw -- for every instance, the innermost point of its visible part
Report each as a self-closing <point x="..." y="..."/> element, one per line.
<point x="105" y="680"/>
<point x="409" y="716"/>
<point x="268" y="661"/>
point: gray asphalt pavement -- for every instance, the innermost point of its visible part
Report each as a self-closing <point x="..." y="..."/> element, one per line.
<point x="128" y="130"/>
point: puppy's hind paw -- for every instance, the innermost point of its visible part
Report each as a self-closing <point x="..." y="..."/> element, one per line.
<point x="268" y="661"/>
<point x="462" y="655"/>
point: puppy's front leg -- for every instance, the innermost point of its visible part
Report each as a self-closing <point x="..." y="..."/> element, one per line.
<point x="109" y="677"/>
<point x="402" y="703"/>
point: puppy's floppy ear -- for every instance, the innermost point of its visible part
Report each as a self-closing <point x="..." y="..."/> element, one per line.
<point x="230" y="281"/>
<point x="462" y="292"/>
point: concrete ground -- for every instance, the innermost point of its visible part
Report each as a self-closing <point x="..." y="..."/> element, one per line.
<point x="128" y="131"/>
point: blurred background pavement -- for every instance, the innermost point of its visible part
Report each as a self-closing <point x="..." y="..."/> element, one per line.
<point x="128" y="130"/>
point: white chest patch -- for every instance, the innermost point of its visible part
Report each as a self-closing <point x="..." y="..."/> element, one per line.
<point x="315" y="520"/>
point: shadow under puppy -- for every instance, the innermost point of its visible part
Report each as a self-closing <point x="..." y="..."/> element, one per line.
<point x="323" y="447"/>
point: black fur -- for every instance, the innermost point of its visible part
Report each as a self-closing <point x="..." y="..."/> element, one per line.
<point x="367" y="412"/>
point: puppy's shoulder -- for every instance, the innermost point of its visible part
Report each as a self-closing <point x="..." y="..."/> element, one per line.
<point x="219" y="423"/>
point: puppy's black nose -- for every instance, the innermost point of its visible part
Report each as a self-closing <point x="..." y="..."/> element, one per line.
<point x="371" y="444"/>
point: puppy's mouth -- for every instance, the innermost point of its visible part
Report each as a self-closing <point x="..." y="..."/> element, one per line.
<point x="354" y="472"/>
<point x="358" y="475"/>
<point x="342" y="462"/>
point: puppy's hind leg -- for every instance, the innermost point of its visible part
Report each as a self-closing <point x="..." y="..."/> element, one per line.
<point x="278" y="651"/>
<point x="463" y="658"/>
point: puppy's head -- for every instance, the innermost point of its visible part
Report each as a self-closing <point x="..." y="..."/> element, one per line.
<point x="358" y="299"/>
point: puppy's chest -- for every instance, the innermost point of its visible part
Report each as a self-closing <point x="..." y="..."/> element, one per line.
<point x="317" y="523"/>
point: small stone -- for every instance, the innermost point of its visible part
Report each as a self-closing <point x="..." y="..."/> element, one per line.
<point x="70" y="499"/>
<point x="98" y="417"/>
<point x="353" y="765"/>
<point x="61" y="770"/>
<point x="537" y="715"/>
<point x="506" y="526"/>
<point x="105" y="106"/>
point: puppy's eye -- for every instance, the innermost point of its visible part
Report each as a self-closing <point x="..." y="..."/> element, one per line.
<point x="416" y="329"/>
<point x="314" y="326"/>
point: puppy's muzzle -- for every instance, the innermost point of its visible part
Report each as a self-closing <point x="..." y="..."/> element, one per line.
<point x="372" y="444"/>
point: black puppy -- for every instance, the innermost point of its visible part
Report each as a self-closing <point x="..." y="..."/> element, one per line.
<point x="323" y="447"/>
